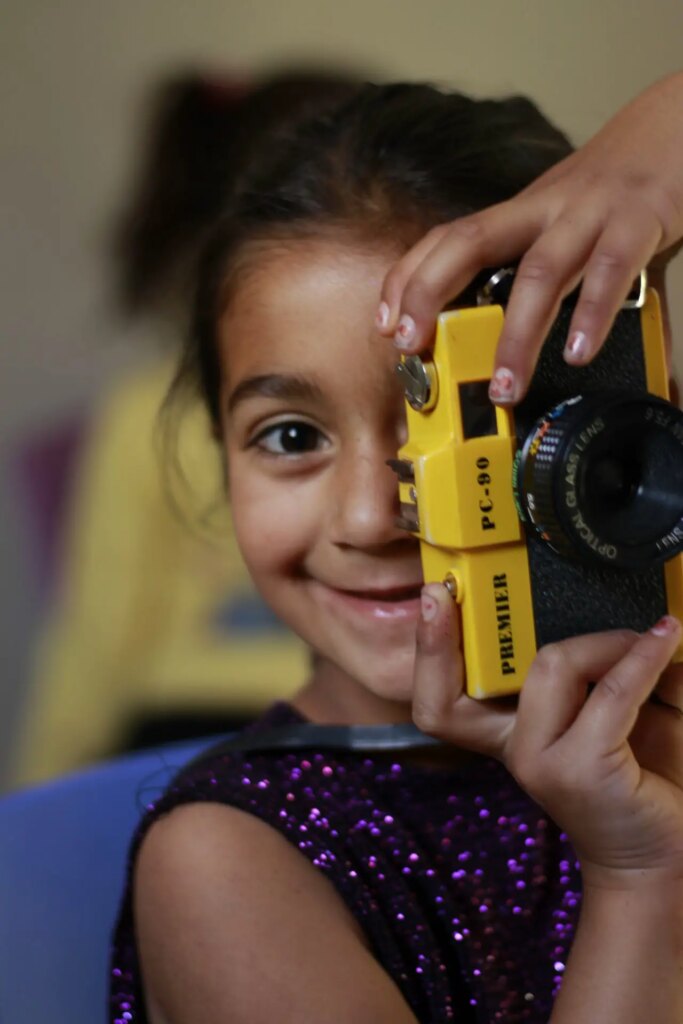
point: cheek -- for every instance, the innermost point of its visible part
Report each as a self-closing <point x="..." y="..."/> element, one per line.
<point x="274" y="528"/>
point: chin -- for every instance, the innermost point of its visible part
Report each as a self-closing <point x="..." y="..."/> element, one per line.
<point x="392" y="683"/>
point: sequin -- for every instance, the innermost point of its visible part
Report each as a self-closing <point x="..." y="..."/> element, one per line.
<point x="454" y="875"/>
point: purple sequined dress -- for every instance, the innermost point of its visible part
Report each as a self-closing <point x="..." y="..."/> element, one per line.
<point x="467" y="891"/>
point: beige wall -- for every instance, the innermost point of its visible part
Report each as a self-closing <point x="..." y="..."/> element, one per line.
<point x="71" y="76"/>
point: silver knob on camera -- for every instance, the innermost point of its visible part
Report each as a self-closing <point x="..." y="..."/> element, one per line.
<point x="420" y="383"/>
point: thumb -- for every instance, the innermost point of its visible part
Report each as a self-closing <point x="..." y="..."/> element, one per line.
<point x="439" y="673"/>
<point x="441" y="706"/>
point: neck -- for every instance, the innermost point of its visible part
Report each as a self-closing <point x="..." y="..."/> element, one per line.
<point x="332" y="697"/>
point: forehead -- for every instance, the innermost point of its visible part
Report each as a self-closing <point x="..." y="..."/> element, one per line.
<point x="307" y="306"/>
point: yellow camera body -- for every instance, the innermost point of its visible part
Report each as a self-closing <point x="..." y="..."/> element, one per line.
<point x="457" y="497"/>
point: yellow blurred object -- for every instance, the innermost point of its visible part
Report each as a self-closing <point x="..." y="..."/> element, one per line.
<point x="155" y="611"/>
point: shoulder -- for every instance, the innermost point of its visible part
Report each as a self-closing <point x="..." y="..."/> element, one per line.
<point x="206" y="846"/>
<point x="232" y="921"/>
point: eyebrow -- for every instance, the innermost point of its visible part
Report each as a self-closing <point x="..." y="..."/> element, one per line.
<point x="274" y="385"/>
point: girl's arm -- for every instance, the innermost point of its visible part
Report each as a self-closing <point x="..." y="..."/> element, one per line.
<point x="233" y="924"/>
<point x="608" y="768"/>
<point x="600" y="215"/>
<point x="626" y="964"/>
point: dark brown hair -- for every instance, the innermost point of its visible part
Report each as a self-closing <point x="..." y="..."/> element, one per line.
<point x="199" y="136"/>
<point x="388" y="158"/>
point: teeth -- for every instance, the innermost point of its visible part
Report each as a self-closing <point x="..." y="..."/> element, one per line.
<point x="394" y="595"/>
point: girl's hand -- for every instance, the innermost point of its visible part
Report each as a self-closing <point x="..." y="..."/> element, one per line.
<point x="600" y="215"/>
<point x="608" y="767"/>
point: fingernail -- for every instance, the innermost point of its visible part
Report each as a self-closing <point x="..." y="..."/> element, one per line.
<point x="405" y="333"/>
<point x="666" y="626"/>
<point x="382" y="318"/>
<point x="429" y="606"/>
<point x="503" y="387"/>
<point x="577" y="347"/>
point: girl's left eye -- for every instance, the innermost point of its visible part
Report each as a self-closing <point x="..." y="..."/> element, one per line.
<point x="293" y="437"/>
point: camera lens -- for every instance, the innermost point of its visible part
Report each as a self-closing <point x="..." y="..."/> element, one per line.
<point x="600" y="477"/>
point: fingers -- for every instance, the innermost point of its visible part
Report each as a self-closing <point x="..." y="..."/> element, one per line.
<point x="445" y="261"/>
<point x="606" y="247"/>
<point x="554" y="716"/>
<point x="553" y="709"/>
<point x="624" y="248"/>
<point x="610" y="713"/>
<point x="398" y="277"/>
<point x="550" y="270"/>
<point x="554" y="691"/>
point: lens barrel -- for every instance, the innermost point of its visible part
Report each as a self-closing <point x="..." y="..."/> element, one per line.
<point x="600" y="478"/>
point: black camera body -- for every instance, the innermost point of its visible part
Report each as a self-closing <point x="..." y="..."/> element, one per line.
<point x="560" y="517"/>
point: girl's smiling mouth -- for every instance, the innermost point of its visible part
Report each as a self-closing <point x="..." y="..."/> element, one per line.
<point x="393" y="604"/>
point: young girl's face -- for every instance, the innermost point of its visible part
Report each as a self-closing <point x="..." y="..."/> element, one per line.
<point x="311" y="411"/>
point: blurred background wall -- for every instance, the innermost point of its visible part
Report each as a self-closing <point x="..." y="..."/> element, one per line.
<point x="72" y="79"/>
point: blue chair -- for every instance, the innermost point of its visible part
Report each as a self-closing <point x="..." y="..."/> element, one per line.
<point x="63" y="849"/>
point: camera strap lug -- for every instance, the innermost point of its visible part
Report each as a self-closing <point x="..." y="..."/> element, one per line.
<point x="638" y="294"/>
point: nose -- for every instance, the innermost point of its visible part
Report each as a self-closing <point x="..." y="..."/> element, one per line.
<point x="366" y="503"/>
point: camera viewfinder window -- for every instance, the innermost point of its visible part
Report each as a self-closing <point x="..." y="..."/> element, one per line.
<point x="478" y="413"/>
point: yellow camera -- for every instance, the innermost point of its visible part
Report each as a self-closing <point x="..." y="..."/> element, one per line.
<point x="559" y="517"/>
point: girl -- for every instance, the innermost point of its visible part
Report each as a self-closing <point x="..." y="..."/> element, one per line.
<point x="337" y="886"/>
